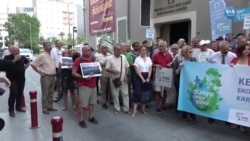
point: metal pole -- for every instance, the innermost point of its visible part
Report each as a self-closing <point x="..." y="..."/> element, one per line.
<point x="73" y="37"/>
<point x="31" y="39"/>
<point x="84" y="21"/>
<point x="68" y="24"/>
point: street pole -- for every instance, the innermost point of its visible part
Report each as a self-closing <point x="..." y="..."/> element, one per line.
<point x="31" y="39"/>
<point x="73" y="37"/>
<point x="69" y="35"/>
<point x="84" y="21"/>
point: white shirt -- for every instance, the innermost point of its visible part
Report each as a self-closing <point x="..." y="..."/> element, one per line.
<point x="143" y="66"/>
<point x="97" y="55"/>
<point x="114" y="63"/>
<point x="102" y="59"/>
<point x="217" y="57"/>
<point x="195" y="52"/>
<point x="57" y="55"/>
<point x="204" y="56"/>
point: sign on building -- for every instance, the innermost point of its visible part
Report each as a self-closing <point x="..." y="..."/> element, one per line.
<point x="28" y="10"/>
<point x="246" y="22"/>
<point x="150" y="33"/>
<point x="101" y="16"/>
<point x="241" y="13"/>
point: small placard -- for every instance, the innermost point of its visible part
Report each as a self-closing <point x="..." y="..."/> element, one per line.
<point x="92" y="69"/>
<point x="164" y="77"/>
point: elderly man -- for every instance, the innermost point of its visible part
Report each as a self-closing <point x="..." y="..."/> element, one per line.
<point x="118" y="66"/>
<point x="45" y="66"/>
<point x="17" y="79"/>
<point x="162" y="59"/>
<point x="105" y="78"/>
<point x="224" y="56"/>
<point x="87" y="87"/>
<point x="205" y="53"/>
<point x="56" y="54"/>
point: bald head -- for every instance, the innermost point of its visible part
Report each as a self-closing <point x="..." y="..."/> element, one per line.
<point x="14" y="50"/>
<point x="86" y="51"/>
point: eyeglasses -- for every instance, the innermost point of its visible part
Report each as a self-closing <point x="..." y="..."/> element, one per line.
<point x="190" y="52"/>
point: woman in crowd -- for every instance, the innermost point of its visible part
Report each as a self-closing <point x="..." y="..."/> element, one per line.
<point x="67" y="84"/>
<point x="71" y="52"/>
<point x="186" y="55"/>
<point x="142" y="91"/>
<point x="242" y="58"/>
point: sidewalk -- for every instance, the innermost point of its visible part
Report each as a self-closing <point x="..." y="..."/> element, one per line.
<point x="151" y="127"/>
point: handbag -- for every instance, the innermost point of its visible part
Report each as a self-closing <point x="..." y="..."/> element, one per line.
<point x="2" y="91"/>
<point x="117" y="81"/>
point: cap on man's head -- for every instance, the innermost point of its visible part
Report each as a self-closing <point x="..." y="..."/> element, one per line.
<point x="204" y="42"/>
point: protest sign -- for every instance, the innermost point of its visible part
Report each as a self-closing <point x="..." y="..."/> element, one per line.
<point x="216" y="91"/>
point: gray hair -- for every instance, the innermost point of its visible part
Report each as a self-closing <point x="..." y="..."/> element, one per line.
<point x="222" y="43"/>
<point x="185" y="49"/>
<point x="84" y="47"/>
<point x="116" y="46"/>
<point x="163" y="42"/>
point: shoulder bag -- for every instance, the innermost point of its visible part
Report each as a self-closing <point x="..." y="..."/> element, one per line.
<point x="117" y="81"/>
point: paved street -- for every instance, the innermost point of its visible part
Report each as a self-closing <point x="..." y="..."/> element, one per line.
<point x="153" y="127"/>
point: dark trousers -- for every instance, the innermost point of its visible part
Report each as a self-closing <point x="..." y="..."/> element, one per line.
<point x="16" y="92"/>
<point x="183" y="114"/>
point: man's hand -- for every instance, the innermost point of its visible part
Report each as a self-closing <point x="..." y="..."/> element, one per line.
<point x="158" y="66"/>
<point x="7" y="81"/>
<point x="148" y="80"/>
<point x="16" y="58"/>
<point x="115" y="72"/>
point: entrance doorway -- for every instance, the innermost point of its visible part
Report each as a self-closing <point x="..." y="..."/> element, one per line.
<point x="179" y="30"/>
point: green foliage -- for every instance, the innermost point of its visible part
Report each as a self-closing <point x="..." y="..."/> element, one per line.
<point x="79" y="40"/>
<point x="53" y="40"/>
<point x="41" y="40"/>
<point x="61" y="34"/>
<point x="36" y="50"/>
<point x="18" y="27"/>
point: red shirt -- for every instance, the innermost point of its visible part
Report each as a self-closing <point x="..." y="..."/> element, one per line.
<point x="84" y="82"/>
<point x="235" y="61"/>
<point x="162" y="59"/>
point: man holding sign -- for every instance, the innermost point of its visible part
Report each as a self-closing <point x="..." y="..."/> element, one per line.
<point x="87" y="87"/>
<point x="162" y="59"/>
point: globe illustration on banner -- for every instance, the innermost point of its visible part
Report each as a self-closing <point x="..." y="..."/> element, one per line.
<point x="203" y="92"/>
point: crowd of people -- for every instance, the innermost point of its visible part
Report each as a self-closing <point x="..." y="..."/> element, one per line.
<point x="127" y="76"/>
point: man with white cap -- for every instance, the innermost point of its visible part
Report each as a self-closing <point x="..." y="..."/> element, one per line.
<point x="205" y="53"/>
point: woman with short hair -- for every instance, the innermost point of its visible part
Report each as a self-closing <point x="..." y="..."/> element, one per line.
<point x="186" y="55"/>
<point x="143" y="69"/>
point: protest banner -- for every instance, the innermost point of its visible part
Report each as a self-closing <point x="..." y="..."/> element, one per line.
<point x="164" y="77"/>
<point x="92" y="69"/>
<point x="216" y="91"/>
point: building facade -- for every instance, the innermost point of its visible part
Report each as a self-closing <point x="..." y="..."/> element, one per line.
<point x="55" y="16"/>
<point x="171" y="19"/>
